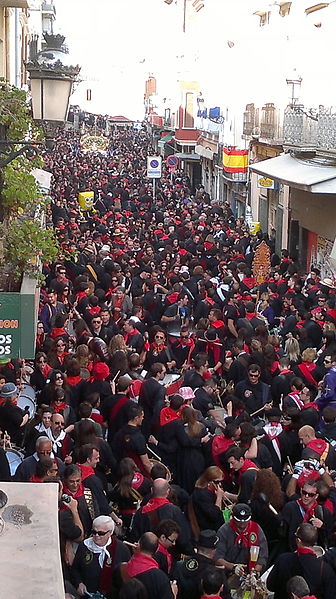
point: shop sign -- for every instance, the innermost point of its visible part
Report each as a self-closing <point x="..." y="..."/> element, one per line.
<point x="265" y="182"/>
<point x="10" y="325"/>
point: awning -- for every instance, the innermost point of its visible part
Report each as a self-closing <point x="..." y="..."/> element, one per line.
<point x="190" y="157"/>
<point x="163" y="140"/>
<point x="205" y="152"/>
<point x="302" y="174"/>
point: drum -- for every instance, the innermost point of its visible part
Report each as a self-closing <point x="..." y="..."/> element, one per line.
<point x="173" y="383"/>
<point x="220" y="413"/>
<point x="14" y="458"/>
<point x="27" y="398"/>
<point x="169" y="379"/>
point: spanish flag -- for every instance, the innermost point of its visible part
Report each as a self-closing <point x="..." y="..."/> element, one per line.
<point x="235" y="161"/>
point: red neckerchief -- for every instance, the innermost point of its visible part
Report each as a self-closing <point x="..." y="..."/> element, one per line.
<point x="35" y="479"/>
<point x="80" y="295"/>
<point x="128" y="336"/>
<point x="187" y="343"/>
<point x="61" y="357"/>
<point x="328" y="504"/>
<point x="154" y="503"/>
<point x="308" y="512"/>
<point x="215" y="348"/>
<point x="274" y="367"/>
<point x="94" y="310"/>
<point x="173" y="297"/>
<point x="168" y="415"/>
<point x="249" y="282"/>
<point x="156" y="349"/>
<point x="4" y="400"/>
<point x="248" y="465"/>
<point x="140" y="563"/>
<point x="305" y="551"/>
<point x="73" y="380"/>
<point x="248" y="538"/>
<point x="250" y="315"/>
<point x="77" y="495"/>
<point x="60" y="407"/>
<point x="165" y="552"/>
<point x="211" y="597"/>
<point x="86" y="471"/>
<point x="218" y="324"/>
<point x="57" y="332"/>
<point x="306" y="369"/>
<point x="310" y="404"/>
<point x="286" y="371"/>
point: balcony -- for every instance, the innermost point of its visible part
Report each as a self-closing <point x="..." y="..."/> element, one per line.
<point x="14" y="3"/>
<point x="312" y="128"/>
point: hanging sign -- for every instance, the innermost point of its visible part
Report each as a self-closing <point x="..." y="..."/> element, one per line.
<point x="265" y="182"/>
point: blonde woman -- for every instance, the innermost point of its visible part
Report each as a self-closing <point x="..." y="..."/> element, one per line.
<point x="292" y="350"/>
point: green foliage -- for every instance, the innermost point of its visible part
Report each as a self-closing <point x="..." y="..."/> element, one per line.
<point x="15" y="113"/>
<point x="25" y="244"/>
<point x="20" y="192"/>
<point x="28" y="244"/>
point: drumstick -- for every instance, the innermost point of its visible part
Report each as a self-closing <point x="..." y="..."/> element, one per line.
<point x="154" y="454"/>
<point x="290" y="464"/>
<point x="270" y="506"/>
<point x="115" y="377"/>
<point x="133" y="545"/>
<point x="257" y="411"/>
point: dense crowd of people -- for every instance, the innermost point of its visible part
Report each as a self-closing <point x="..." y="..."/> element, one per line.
<point x="187" y="413"/>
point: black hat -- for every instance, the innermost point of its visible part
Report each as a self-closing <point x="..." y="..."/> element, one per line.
<point x="207" y="539"/>
<point x="241" y="512"/>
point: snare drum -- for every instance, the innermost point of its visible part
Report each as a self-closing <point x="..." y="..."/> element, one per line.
<point x="14" y="458"/>
<point x="27" y="397"/>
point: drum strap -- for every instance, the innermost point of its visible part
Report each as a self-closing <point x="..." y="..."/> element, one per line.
<point x="89" y="502"/>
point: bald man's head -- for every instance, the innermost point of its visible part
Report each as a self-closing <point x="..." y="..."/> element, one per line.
<point x="148" y="543"/>
<point x="306" y="434"/>
<point x="160" y="487"/>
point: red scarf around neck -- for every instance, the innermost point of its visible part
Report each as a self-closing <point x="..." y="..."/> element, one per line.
<point x="308" y="512"/>
<point x="305" y="551"/>
<point x="169" y="557"/>
<point x="248" y="538"/>
<point x="154" y="503"/>
<point x="168" y="415"/>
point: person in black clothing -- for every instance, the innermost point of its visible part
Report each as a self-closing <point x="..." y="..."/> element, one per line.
<point x="159" y="508"/>
<point x="152" y="398"/>
<point x="328" y="426"/>
<point x="318" y="574"/>
<point x="254" y="393"/>
<point x="145" y="568"/>
<point x="97" y="557"/>
<point x="306" y="509"/>
<point x="12" y="418"/>
<point x="182" y="348"/>
<point x="192" y="570"/>
<point x="281" y="383"/>
<point x="238" y="369"/>
<point x="5" y="474"/>
<point x="194" y="377"/>
<point x="167" y="533"/>
<point x="207" y="499"/>
<point x="130" y="442"/>
<point x="134" y="340"/>
<point x="115" y="408"/>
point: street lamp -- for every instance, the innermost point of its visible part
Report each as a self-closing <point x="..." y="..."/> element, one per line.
<point x="51" y="82"/>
